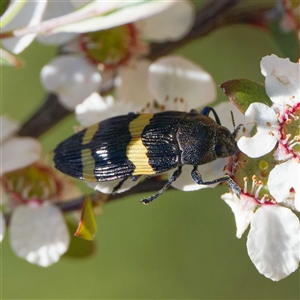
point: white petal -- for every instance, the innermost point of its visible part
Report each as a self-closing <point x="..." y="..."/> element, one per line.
<point x="39" y="234"/>
<point x="19" y="153"/>
<point x="132" y="84"/>
<point x="171" y="24"/>
<point x="282" y="79"/>
<point x="176" y="78"/>
<point x="30" y="15"/>
<point x="224" y="109"/>
<point x="4" y="198"/>
<point x="8" y="128"/>
<point x="72" y="78"/>
<point x="108" y="186"/>
<point x="95" y="109"/>
<point x="266" y="137"/>
<point x="242" y="216"/>
<point x="109" y="14"/>
<point x="273" y="241"/>
<point x="55" y="9"/>
<point x="77" y="3"/>
<point x="2" y="226"/>
<point x="284" y="177"/>
<point x="209" y="171"/>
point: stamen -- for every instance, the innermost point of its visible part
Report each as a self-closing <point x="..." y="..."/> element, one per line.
<point x="264" y="198"/>
<point x="285" y="141"/>
<point x="20" y="183"/>
<point x="275" y="126"/>
<point x="254" y="180"/>
<point x="259" y="186"/>
<point x="245" y="184"/>
<point x="10" y="186"/>
<point x="26" y="190"/>
<point x="295" y="141"/>
<point x="46" y="192"/>
<point x="292" y="145"/>
<point x="279" y="118"/>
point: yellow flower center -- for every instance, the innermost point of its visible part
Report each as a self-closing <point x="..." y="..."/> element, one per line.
<point x="111" y="47"/>
<point x="34" y="183"/>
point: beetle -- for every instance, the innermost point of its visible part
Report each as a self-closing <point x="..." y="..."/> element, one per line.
<point x="133" y="145"/>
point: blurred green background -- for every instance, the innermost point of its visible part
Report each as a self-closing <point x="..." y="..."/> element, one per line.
<point x="182" y="246"/>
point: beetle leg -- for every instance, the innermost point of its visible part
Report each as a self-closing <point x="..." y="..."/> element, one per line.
<point x="134" y="178"/>
<point x="175" y="175"/>
<point x="119" y="185"/>
<point x="198" y="179"/>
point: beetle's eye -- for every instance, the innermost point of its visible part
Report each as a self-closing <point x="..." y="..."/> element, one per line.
<point x="225" y="143"/>
<point x="221" y="150"/>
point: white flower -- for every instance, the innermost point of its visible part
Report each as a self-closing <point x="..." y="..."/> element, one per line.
<point x="29" y="15"/>
<point x="72" y="78"/>
<point x="56" y="9"/>
<point x="37" y="231"/>
<point x="39" y="234"/>
<point x="32" y="13"/>
<point x="273" y="241"/>
<point x="243" y="212"/>
<point x="274" y="238"/>
<point x="2" y="225"/>
<point x="16" y="152"/>
<point x="282" y="80"/>
<point x="170" y="24"/>
<point x="267" y="136"/>
<point x="173" y="81"/>
<point x="284" y="182"/>
<point x="96" y="108"/>
<point x="277" y="125"/>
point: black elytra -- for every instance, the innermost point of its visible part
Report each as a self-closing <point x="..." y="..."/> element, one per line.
<point x="133" y="145"/>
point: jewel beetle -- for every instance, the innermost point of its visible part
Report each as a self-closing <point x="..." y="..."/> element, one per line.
<point x="132" y="145"/>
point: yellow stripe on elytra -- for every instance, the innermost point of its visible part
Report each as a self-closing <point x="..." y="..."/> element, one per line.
<point x="87" y="160"/>
<point x="88" y="165"/>
<point x="136" y="151"/>
<point x="89" y="134"/>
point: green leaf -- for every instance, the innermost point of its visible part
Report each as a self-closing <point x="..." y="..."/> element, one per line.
<point x="8" y="59"/>
<point x="3" y="6"/>
<point x="243" y="92"/>
<point x="287" y="42"/>
<point x="79" y="248"/>
<point x="87" y="227"/>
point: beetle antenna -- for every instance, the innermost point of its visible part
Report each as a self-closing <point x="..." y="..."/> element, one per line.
<point x="232" y="119"/>
<point x="207" y="109"/>
<point x="237" y="129"/>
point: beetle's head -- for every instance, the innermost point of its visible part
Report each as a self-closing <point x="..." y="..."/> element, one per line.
<point x="225" y="143"/>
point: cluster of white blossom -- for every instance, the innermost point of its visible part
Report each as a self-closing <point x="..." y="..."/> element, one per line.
<point x="274" y="239"/>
